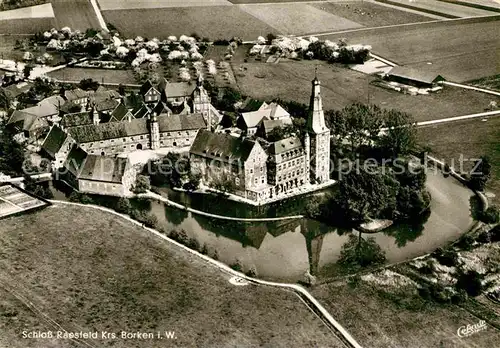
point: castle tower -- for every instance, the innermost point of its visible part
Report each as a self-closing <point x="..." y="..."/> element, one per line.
<point x="201" y="102"/>
<point x="154" y="131"/>
<point x="318" y="136"/>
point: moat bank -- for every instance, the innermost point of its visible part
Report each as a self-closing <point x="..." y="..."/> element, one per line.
<point x="284" y="250"/>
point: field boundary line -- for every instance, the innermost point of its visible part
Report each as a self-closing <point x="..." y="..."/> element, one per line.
<point x="473" y="5"/>
<point x="299" y="290"/>
<point x="98" y="13"/>
<point x="459" y="118"/>
<point x="479" y="89"/>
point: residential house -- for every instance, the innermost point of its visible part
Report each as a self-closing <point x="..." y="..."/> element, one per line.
<point x="57" y="146"/>
<point x="250" y="122"/>
<point x="98" y="174"/>
<point x="29" y="125"/>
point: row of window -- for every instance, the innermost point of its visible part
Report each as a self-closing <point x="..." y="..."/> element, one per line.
<point x="291" y="163"/>
<point x="261" y="170"/>
<point x="292" y="153"/>
<point x="291" y="174"/>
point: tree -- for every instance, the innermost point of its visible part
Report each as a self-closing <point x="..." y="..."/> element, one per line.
<point x="88" y="84"/>
<point x="171" y="170"/>
<point x="142" y="184"/>
<point x="224" y="184"/>
<point x="5" y="99"/>
<point x="359" y="252"/>
<point x="11" y="152"/>
<point x="364" y="195"/>
<point x="28" y="68"/>
<point x="480" y="174"/>
<point x="400" y="137"/>
<point x="281" y="132"/>
<point x="123" y="205"/>
<point x="270" y="37"/>
<point x="471" y="282"/>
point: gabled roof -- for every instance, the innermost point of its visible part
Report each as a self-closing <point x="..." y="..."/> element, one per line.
<point x="74" y="94"/>
<point x="106" y="105"/>
<point x="103" y="169"/>
<point x="221" y="146"/>
<point x="268" y="125"/>
<point x="54" y="141"/>
<point x="179" y="89"/>
<point x="420" y="74"/>
<point x="111" y="130"/>
<point x="47" y="107"/>
<point x="254" y="118"/>
<point x="26" y="121"/>
<point x="146" y="87"/>
<point x="274" y="111"/>
<point x="143" y="112"/>
<point x="119" y="113"/>
<point x="170" y="123"/>
<point x="76" y="119"/>
<point x="75" y="160"/>
<point x="19" y="116"/>
<point x="160" y="108"/>
<point x="285" y="145"/>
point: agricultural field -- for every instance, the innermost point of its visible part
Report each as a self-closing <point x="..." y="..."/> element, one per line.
<point x="298" y="19"/>
<point x="27" y="26"/>
<point x="370" y="14"/>
<point x="76" y="14"/>
<point x="471" y="139"/>
<point x="491" y="82"/>
<point x="446" y="9"/>
<point x="489" y="3"/>
<point x="40" y="11"/>
<point x="93" y="271"/>
<point x="214" y="22"/>
<point x="387" y="315"/>
<point x="438" y="44"/>
<point x="106" y="5"/>
<point x="290" y="80"/>
<point x="11" y="5"/>
<point x="100" y="75"/>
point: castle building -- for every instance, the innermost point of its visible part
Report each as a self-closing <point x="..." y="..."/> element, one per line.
<point x="270" y="171"/>
<point x="317" y="138"/>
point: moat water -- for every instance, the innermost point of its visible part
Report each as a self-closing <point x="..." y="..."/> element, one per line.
<point x="285" y="250"/>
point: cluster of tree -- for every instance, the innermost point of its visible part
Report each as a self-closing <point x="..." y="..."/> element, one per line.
<point x="224" y="184"/>
<point x="142" y="184"/>
<point x="88" y="85"/>
<point x="41" y="89"/>
<point x="480" y="174"/>
<point x="13" y="4"/>
<point x="12" y="153"/>
<point x="359" y="252"/>
<point x="38" y="189"/>
<point x="173" y="170"/>
<point x="338" y="53"/>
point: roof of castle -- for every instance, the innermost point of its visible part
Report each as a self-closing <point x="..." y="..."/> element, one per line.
<point x="54" y="140"/>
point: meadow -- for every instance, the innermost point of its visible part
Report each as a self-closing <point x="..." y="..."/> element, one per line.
<point x="93" y="271"/>
<point x="76" y="14"/>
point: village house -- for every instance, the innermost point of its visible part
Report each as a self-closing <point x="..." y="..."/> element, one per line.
<point x="57" y="146"/>
<point x="98" y="174"/>
<point x="274" y="114"/>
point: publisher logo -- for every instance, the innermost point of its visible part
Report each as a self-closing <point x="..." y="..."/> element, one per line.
<point x="467" y="330"/>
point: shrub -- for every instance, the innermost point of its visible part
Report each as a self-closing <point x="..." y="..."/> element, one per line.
<point x="142" y="184"/>
<point x="466" y="242"/>
<point x="216" y="255"/>
<point x="447" y="257"/>
<point x="490" y="215"/>
<point x="204" y="249"/>
<point x="123" y="205"/>
<point x="252" y="272"/>
<point x="470" y="282"/>
<point x="428" y="268"/>
<point x="237" y="265"/>
<point x="180" y="236"/>
<point x="150" y="220"/>
<point x="194" y="244"/>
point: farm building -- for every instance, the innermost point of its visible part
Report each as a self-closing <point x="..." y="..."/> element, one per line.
<point x="421" y="77"/>
<point x="98" y="174"/>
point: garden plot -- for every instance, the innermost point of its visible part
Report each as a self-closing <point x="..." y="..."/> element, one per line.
<point x="143" y="4"/>
<point x="298" y="19"/>
<point x="39" y="11"/>
<point x="446" y="8"/>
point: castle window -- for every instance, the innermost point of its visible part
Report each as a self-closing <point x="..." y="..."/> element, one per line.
<point x="262" y="179"/>
<point x="251" y="171"/>
<point x="112" y="140"/>
<point x="237" y="181"/>
<point x="123" y="139"/>
<point x="279" y="178"/>
<point x="255" y="180"/>
<point x="142" y="137"/>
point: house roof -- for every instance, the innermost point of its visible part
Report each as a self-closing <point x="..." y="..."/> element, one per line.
<point x="103" y="168"/>
<point x="15" y="90"/>
<point x="119" y="113"/>
<point x="19" y="116"/>
<point x="146" y="87"/>
<point x="285" y="145"/>
<point x="169" y="123"/>
<point x="142" y="112"/>
<point x="76" y="119"/>
<point x="47" y="107"/>
<point x="75" y="160"/>
<point x="74" y="94"/>
<point x="252" y="119"/>
<point x="179" y="89"/>
<point x="26" y="121"/>
<point x="274" y="111"/>
<point x="54" y="141"/>
<point x="221" y="146"/>
<point x="420" y="74"/>
<point x="106" y="105"/>
<point x="268" y="125"/>
<point x="114" y="130"/>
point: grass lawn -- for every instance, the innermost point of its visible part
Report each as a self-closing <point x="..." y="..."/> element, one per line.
<point x="76" y="14"/>
<point x="491" y="82"/>
<point x="340" y="87"/>
<point x="456" y="57"/>
<point x="370" y="14"/>
<point x="446" y="8"/>
<point x="472" y="139"/>
<point x="89" y="270"/>
<point x="138" y="4"/>
<point x="106" y="75"/>
<point x="377" y="318"/>
<point x="214" y="22"/>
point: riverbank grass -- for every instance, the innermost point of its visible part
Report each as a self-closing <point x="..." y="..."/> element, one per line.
<point x="89" y="270"/>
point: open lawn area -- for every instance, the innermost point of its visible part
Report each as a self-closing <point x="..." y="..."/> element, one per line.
<point x="76" y="14"/>
<point x="214" y="22"/>
<point x="370" y="14"/>
<point x="379" y="318"/>
<point x="26" y="25"/>
<point x="89" y="270"/>
<point x="298" y="19"/>
<point x="99" y="75"/>
<point x="471" y="139"/>
<point x="341" y="86"/>
<point x="445" y="8"/>
<point x="39" y="11"/>
<point x="457" y="58"/>
<point x="491" y="82"/>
